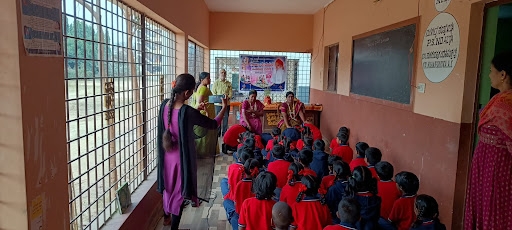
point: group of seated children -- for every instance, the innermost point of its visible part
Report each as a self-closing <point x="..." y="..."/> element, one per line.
<point x="292" y="183"/>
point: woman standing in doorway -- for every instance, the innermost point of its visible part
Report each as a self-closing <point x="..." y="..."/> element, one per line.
<point x="489" y="192"/>
<point x="252" y="111"/>
<point x="178" y="162"/>
<point x="207" y="144"/>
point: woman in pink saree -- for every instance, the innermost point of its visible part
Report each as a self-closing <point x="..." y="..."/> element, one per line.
<point x="292" y="112"/>
<point x="489" y="192"/>
<point x="252" y="111"/>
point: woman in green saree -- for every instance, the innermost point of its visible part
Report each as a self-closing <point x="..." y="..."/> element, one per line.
<point x="207" y="144"/>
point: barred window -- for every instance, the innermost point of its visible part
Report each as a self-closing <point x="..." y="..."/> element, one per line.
<point x="195" y="59"/>
<point x="299" y="72"/>
<point x="118" y="68"/>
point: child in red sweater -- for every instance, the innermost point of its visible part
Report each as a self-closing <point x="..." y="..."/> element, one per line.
<point x="360" y="159"/>
<point x="388" y="190"/>
<point x="276" y="133"/>
<point x="343" y="150"/>
<point x="291" y="189"/>
<point x="334" y="142"/>
<point x="243" y="189"/>
<point x="310" y="211"/>
<point x="402" y="214"/>
<point x="280" y="168"/>
<point x="232" y="138"/>
<point x="373" y="156"/>
<point x="256" y="212"/>
<point x="305" y="158"/>
<point x="305" y="133"/>
<point x="349" y="213"/>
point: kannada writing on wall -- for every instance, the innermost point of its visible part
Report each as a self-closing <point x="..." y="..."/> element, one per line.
<point x="440" y="48"/>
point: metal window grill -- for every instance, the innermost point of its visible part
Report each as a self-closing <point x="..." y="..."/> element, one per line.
<point x="299" y="71"/>
<point x="195" y="59"/>
<point x="118" y="68"/>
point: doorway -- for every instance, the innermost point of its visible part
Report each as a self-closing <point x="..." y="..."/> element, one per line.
<point x="496" y="38"/>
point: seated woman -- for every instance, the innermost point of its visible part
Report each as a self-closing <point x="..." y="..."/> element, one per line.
<point x="292" y="112"/>
<point x="252" y="111"/>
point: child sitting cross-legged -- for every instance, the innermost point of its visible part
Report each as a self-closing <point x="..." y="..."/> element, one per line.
<point x="310" y="211"/>
<point x="320" y="158"/>
<point x="243" y="189"/>
<point x="360" y="159"/>
<point x="328" y="180"/>
<point x="363" y="187"/>
<point x="388" y="190"/>
<point x="279" y="167"/>
<point x="373" y="156"/>
<point x="256" y="212"/>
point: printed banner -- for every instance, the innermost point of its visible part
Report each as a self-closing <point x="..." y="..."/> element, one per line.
<point x="263" y="72"/>
<point x="41" y="24"/>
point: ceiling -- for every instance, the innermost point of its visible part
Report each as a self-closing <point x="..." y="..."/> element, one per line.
<point x="267" y="6"/>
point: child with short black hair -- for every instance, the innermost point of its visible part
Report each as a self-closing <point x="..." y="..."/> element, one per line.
<point x="334" y="141"/>
<point x="402" y="214"/>
<point x="308" y="143"/>
<point x="281" y="216"/>
<point x="276" y="134"/>
<point x="388" y="190"/>
<point x="328" y="181"/>
<point x="343" y="150"/>
<point x="337" y="191"/>
<point x="427" y="212"/>
<point x="257" y="211"/>
<point x="373" y="156"/>
<point x="235" y="173"/>
<point x="280" y="168"/>
<point x="363" y="187"/>
<point x="349" y="212"/>
<point x="320" y="158"/>
<point x="360" y="159"/>
<point x="310" y="211"/>
<point x="305" y="158"/>
<point x="291" y="189"/>
<point x="243" y="190"/>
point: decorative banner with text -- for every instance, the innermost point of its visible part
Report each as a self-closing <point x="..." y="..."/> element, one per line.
<point x="263" y="72"/>
<point x="41" y="24"/>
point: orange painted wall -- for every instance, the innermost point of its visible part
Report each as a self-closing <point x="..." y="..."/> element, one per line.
<point x="190" y="16"/>
<point x="446" y="107"/>
<point x="268" y="32"/>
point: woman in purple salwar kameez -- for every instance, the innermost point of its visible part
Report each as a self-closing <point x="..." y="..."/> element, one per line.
<point x="178" y="163"/>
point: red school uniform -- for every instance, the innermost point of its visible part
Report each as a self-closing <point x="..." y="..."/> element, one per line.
<point x="300" y="144"/>
<point x="374" y="172"/>
<point x="345" y="152"/>
<point x="402" y="214"/>
<point x="256" y="214"/>
<point x="270" y="144"/>
<point x="340" y="227"/>
<point x="235" y="174"/>
<point x="334" y="144"/>
<point x="359" y="161"/>
<point x="243" y="191"/>
<point x="317" y="135"/>
<point x="327" y="182"/>
<point x="232" y="134"/>
<point x="280" y="168"/>
<point x="289" y="193"/>
<point x="258" y="142"/>
<point x="311" y="214"/>
<point x="389" y="193"/>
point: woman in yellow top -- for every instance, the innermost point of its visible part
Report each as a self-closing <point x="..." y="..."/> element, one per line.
<point x="207" y="144"/>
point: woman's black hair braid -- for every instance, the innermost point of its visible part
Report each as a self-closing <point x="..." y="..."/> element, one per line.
<point x="168" y="141"/>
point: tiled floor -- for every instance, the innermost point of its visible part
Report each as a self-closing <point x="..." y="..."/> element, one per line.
<point x="211" y="216"/>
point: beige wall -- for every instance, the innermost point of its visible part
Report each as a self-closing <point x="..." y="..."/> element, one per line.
<point x="13" y="205"/>
<point x="345" y="19"/>
<point x="268" y="32"/>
